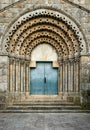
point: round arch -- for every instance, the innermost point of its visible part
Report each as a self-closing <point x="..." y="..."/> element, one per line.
<point x="39" y="23"/>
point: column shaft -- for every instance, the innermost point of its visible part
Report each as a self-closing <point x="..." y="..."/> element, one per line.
<point x="14" y="75"/>
<point x="24" y="72"/>
<point x="22" y="79"/>
<point x="10" y="75"/>
<point x="61" y="78"/>
<point x="77" y="77"/>
<point x="66" y="77"/>
<point x="17" y="75"/>
<point x="69" y="76"/>
<point x="72" y="76"/>
<point x="17" y="72"/>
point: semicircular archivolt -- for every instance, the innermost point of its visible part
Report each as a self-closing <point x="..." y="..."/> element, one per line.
<point x="46" y="34"/>
<point x="48" y="41"/>
<point x="44" y="24"/>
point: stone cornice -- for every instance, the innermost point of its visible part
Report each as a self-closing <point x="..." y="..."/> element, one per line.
<point x="67" y="1"/>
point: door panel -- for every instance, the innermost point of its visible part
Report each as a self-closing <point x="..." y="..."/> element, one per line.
<point x="44" y="79"/>
<point x="37" y="79"/>
<point x="51" y="86"/>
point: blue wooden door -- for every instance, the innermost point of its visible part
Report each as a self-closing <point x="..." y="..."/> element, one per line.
<point x="44" y="79"/>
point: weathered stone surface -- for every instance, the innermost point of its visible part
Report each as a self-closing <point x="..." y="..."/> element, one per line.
<point x="3" y="73"/>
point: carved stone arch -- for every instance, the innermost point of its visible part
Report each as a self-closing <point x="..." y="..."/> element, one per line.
<point x="54" y="20"/>
<point x="48" y="41"/>
<point x="42" y="33"/>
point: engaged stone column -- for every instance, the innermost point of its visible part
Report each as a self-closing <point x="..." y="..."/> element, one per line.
<point x="27" y="77"/>
<point x="17" y="75"/>
<point x="66" y="75"/>
<point x="77" y="76"/>
<point x="72" y="74"/>
<point x="63" y="89"/>
<point x="22" y="77"/>
<point x="24" y="73"/>
<point x="14" y="75"/>
<point x="10" y="74"/>
<point x="74" y="77"/>
<point x="69" y="76"/>
<point x="61" y="76"/>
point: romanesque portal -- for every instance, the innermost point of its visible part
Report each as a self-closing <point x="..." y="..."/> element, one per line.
<point x="39" y="38"/>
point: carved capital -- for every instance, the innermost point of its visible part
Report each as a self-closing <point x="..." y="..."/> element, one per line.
<point x="11" y="60"/>
<point x="27" y="63"/>
<point x="71" y="60"/>
<point x="65" y="61"/>
<point x="22" y="61"/>
<point x="77" y="59"/>
<point x="17" y="60"/>
<point x="60" y="62"/>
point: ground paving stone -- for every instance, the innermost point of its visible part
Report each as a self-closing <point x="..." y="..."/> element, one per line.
<point x="44" y="121"/>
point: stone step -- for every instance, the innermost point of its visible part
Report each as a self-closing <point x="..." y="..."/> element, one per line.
<point x="49" y="104"/>
<point x="43" y="107"/>
<point x="43" y="103"/>
<point x="44" y="111"/>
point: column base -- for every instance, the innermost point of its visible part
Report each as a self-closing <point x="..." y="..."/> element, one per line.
<point x="70" y="97"/>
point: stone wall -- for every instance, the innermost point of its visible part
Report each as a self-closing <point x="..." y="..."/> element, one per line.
<point x="3" y="73"/>
<point x="85" y="72"/>
<point x="85" y="82"/>
<point x="3" y="81"/>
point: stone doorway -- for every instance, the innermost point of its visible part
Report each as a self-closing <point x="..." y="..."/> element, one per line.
<point x="65" y="41"/>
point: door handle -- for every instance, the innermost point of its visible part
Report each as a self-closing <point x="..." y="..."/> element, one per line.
<point x="45" y="80"/>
